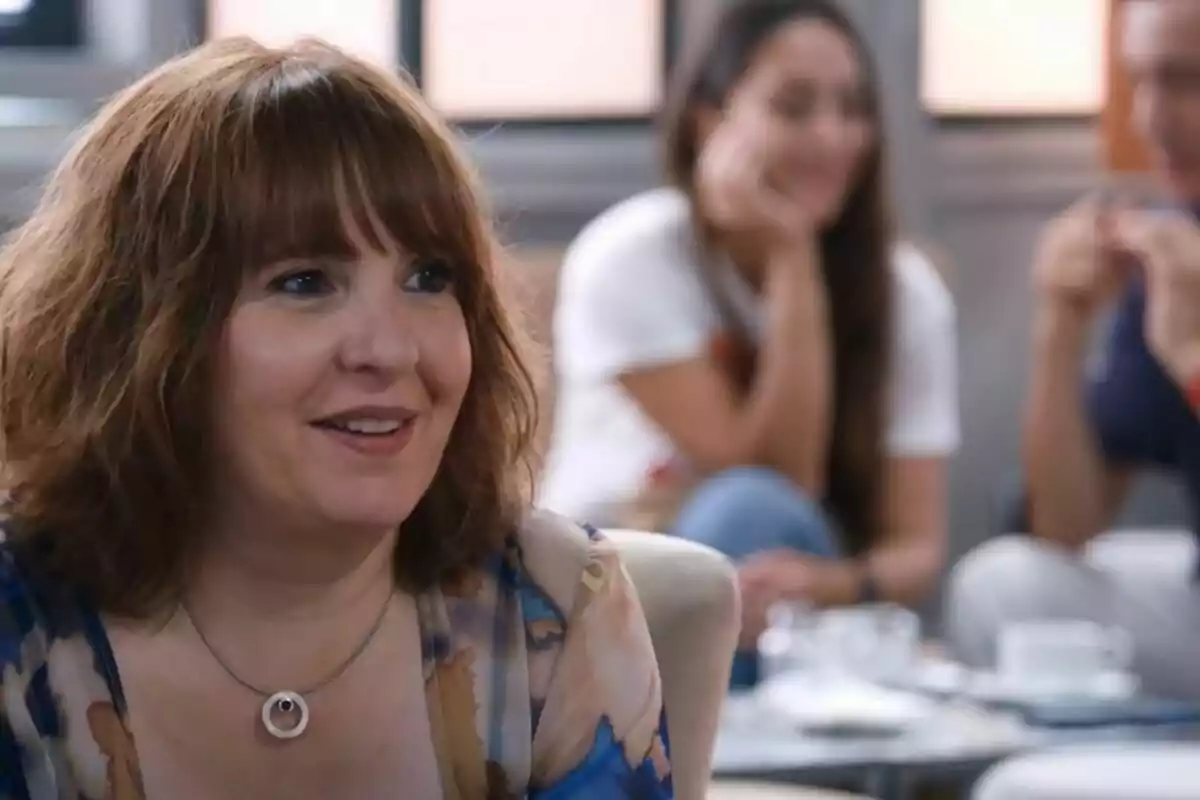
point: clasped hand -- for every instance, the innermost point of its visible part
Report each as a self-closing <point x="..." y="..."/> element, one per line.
<point x="1087" y="256"/>
<point x="1168" y="247"/>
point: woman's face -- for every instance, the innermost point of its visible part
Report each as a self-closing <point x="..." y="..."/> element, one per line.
<point x="804" y="101"/>
<point x="340" y="382"/>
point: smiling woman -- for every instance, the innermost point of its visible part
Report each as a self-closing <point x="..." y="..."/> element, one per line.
<point x="264" y="422"/>
<point x="748" y="358"/>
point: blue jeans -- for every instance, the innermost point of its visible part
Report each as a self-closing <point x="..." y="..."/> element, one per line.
<point x="748" y="510"/>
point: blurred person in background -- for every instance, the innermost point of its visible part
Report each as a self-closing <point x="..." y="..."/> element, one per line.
<point x="749" y="353"/>
<point x="1088" y="434"/>
<point x="265" y="422"/>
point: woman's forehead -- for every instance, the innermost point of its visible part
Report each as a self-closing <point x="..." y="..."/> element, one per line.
<point x="348" y="225"/>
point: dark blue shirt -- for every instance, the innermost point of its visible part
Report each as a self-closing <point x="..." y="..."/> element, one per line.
<point x="1140" y="416"/>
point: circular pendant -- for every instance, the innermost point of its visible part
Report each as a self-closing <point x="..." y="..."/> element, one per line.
<point x="291" y="712"/>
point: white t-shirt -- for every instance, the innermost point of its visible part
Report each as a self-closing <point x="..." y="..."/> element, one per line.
<point x="630" y="296"/>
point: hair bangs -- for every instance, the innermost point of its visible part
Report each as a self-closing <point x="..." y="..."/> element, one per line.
<point x="326" y="163"/>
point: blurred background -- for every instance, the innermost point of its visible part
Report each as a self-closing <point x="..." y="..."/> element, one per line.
<point x="1000" y="112"/>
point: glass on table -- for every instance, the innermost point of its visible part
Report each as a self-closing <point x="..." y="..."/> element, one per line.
<point x="875" y="642"/>
<point x="786" y="646"/>
<point x="833" y="671"/>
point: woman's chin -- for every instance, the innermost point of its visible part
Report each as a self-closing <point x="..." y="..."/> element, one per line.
<point x="379" y="500"/>
<point x="820" y="206"/>
<point x="826" y="210"/>
<point x="371" y="518"/>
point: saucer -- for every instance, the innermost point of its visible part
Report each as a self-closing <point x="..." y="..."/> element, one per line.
<point x="991" y="687"/>
<point x="843" y="707"/>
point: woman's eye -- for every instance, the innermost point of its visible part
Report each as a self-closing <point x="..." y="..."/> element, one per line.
<point x="303" y="283"/>
<point x="793" y="109"/>
<point x="854" y="106"/>
<point x="430" y="276"/>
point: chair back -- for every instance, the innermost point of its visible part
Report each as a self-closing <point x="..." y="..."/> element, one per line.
<point x="690" y="598"/>
<point x="739" y="790"/>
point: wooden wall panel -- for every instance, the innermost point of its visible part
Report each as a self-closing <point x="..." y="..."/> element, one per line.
<point x="1123" y="150"/>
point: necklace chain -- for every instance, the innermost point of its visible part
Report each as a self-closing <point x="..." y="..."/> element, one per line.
<point x="321" y="684"/>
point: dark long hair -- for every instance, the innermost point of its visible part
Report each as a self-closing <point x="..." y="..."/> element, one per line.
<point x="855" y="250"/>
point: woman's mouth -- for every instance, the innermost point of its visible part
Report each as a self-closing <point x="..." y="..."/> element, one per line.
<point x="372" y="431"/>
<point x="363" y="427"/>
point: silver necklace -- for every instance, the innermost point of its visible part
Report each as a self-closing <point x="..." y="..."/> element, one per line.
<point x="285" y="712"/>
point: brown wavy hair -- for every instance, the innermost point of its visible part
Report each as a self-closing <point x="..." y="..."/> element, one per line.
<point x="856" y="253"/>
<point x="115" y="293"/>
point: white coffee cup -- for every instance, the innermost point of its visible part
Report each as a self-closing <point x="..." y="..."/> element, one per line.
<point x="1060" y="657"/>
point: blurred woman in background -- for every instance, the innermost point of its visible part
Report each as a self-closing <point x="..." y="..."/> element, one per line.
<point x="750" y="350"/>
<point x="265" y="422"/>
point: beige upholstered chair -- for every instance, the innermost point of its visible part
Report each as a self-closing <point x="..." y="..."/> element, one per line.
<point x="690" y="598"/>
<point x="737" y="790"/>
<point x="689" y="595"/>
<point x="1115" y="771"/>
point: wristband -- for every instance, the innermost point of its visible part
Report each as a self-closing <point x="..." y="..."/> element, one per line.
<point x="868" y="589"/>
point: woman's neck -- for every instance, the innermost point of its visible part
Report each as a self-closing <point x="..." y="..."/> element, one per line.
<point x="265" y="574"/>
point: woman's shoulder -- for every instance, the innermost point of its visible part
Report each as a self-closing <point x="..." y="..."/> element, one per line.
<point x="60" y="705"/>
<point x="649" y="217"/>
<point x="651" y="231"/>
<point x="38" y="615"/>
<point x="35" y="614"/>
<point x="31" y="623"/>
<point x="598" y="695"/>
<point x="22" y="612"/>
<point x="559" y="555"/>
<point x="921" y="291"/>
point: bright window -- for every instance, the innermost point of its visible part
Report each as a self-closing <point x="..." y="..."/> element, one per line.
<point x="543" y="59"/>
<point x="1013" y="57"/>
<point x="14" y="7"/>
<point x="367" y="28"/>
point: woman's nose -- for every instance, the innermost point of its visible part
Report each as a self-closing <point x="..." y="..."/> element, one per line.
<point x="379" y="335"/>
<point x="830" y="127"/>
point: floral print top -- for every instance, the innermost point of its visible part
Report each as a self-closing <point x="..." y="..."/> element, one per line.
<point x="540" y="682"/>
